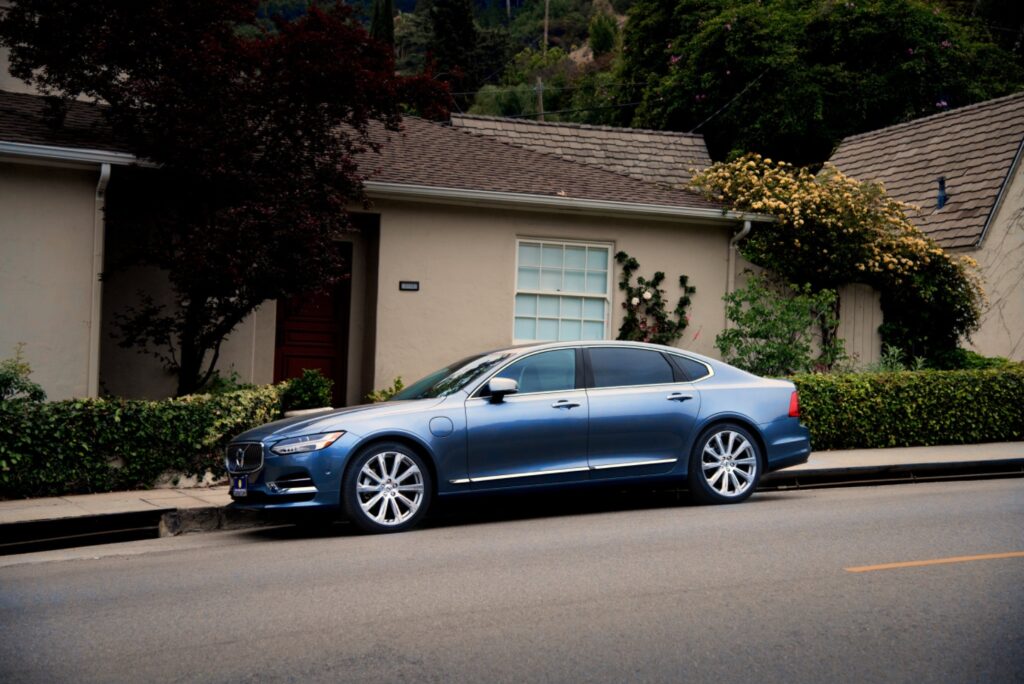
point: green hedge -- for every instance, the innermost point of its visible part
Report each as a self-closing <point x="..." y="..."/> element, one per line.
<point x="95" y="445"/>
<point x="913" y="408"/>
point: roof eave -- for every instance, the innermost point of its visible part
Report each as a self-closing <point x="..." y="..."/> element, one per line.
<point x="1003" y="189"/>
<point x="579" y="205"/>
<point x="65" y="155"/>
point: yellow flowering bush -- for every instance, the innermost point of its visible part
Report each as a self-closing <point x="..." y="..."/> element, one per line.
<point x="831" y="229"/>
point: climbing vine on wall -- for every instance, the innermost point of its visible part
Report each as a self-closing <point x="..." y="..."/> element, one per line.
<point x="646" y="318"/>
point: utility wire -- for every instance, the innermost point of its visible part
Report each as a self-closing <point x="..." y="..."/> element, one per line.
<point x="572" y="111"/>
<point x="726" y="105"/>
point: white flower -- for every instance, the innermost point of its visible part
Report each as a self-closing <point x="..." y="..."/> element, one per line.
<point x="635" y="301"/>
<point x="647" y="294"/>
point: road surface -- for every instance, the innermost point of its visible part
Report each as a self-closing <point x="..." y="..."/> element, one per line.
<point x="604" y="587"/>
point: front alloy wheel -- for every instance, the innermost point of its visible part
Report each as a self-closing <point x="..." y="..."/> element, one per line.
<point x="725" y="465"/>
<point x="387" y="489"/>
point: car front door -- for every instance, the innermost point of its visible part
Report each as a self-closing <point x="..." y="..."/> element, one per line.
<point x="641" y="416"/>
<point x="537" y="435"/>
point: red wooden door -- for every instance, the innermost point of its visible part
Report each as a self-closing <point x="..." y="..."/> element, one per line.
<point x="312" y="332"/>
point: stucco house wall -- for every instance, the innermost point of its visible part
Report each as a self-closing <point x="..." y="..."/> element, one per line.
<point x="1001" y="262"/>
<point x="465" y="261"/>
<point x="46" y="272"/>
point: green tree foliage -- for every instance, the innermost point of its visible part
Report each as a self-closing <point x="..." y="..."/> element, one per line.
<point x="382" y="22"/>
<point x="310" y="390"/>
<point x="790" y="78"/>
<point x="773" y="327"/>
<point x="604" y="31"/>
<point x="567" y="23"/>
<point x="517" y="94"/>
<point x="646" y="318"/>
<point x="15" y="383"/>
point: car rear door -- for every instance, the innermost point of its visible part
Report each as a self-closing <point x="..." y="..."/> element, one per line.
<point x="641" y="415"/>
<point x="536" y="436"/>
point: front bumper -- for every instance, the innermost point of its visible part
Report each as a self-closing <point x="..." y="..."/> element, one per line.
<point x="299" y="481"/>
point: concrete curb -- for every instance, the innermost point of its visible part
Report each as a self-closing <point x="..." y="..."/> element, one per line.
<point x="64" y="532"/>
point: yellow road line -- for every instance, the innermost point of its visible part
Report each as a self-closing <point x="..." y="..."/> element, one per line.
<point x="936" y="561"/>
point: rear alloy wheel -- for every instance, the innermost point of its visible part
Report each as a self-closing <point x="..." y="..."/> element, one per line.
<point x="725" y="466"/>
<point x="387" y="489"/>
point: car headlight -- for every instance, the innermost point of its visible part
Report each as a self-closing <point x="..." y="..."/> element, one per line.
<point x="304" y="443"/>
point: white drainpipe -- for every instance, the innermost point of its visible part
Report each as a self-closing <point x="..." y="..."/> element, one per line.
<point x="730" y="284"/>
<point x="95" y="321"/>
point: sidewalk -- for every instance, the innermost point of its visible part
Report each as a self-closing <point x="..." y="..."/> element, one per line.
<point x="56" y="522"/>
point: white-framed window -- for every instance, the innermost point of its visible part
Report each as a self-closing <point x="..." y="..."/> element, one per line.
<point x="563" y="290"/>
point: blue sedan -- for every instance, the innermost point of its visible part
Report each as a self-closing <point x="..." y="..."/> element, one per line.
<point x="531" y="417"/>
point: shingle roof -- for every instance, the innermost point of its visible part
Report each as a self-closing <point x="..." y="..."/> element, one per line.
<point x="973" y="147"/>
<point x="431" y="154"/>
<point x="422" y="154"/>
<point x="23" y="120"/>
<point x="653" y="156"/>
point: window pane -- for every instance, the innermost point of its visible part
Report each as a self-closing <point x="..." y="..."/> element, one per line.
<point x="574" y="282"/>
<point x="547" y="306"/>
<point x="529" y="254"/>
<point x="593" y="309"/>
<point x="597" y="282"/>
<point x="550" y="280"/>
<point x="529" y="279"/>
<point x="545" y="372"/>
<point x="617" y="367"/>
<point x="572" y="307"/>
<point x="576" y="257"/>
<point x="526" y="305"/>
<point x="693" y="370"/>
<point x="552" y="256"/>
<point x="597" y="258"/>
<point x="547" y="329"/>
<point x="569" y="331"/>
<point x="526" y="329"/>
<point x="593" y="331"/>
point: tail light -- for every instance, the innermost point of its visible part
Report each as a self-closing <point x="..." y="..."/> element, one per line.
<point x="794" y="406"/>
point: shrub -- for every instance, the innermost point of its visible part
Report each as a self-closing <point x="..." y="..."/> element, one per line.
<point x="93" y="445"/>
<point x="14" y="380"/>
<point x="912" y="408"/>
<point x="773" y="327"/>
<point x="384" y="394"/>
<point x="310" y="390"/>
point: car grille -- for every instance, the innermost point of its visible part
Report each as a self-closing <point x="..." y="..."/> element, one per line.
<point x="244" y="457"/>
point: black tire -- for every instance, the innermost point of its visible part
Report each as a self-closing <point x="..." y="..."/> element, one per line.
<point x="373" y="490"/>
<point x="716" y="469"/>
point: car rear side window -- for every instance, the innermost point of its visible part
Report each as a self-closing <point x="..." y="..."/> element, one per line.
<point x="620" y="367"/>
<point x="691" y="370"/>
<point x="551" y="371"/>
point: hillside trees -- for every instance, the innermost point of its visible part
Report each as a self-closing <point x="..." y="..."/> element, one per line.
<point x="254" y="127"/>
<point x="790" y="78"/>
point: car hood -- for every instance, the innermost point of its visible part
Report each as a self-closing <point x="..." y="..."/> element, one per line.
<point x="347" y="419"/>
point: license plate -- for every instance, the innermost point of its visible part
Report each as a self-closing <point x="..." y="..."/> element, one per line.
<point x="239" y="485"/>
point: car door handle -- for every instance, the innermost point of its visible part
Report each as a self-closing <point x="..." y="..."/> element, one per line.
<point x="564" y="403"/>
<point x="679" y="396"/>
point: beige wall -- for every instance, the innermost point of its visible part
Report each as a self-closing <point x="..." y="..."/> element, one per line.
<point x="248" y="351"/>
<point x="46" y="272"/>
<point x="1001" y="259"/>
<point x="465" y="261"/>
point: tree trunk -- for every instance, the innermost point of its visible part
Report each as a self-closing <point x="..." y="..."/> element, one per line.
<point x="829" y="334"/>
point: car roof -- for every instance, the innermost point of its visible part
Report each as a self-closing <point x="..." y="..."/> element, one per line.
<point x="536" y="346"/>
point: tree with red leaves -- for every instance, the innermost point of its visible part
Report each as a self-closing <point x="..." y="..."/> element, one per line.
<point x="252" y="125"/>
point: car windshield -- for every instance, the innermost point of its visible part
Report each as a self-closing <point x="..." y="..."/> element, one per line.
<point x="452" y="377"/>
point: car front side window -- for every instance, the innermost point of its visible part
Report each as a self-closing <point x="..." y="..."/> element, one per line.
<point x="551" y="371"/>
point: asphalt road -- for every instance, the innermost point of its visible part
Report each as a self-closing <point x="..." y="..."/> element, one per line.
<point x="602" y="588"/>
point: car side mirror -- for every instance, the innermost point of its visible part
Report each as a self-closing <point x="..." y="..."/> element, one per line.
<point x="499" y="388"/>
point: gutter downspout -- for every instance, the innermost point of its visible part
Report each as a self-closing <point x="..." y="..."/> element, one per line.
<point x="95" y="322"/>
<point x="730" y="284"/>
